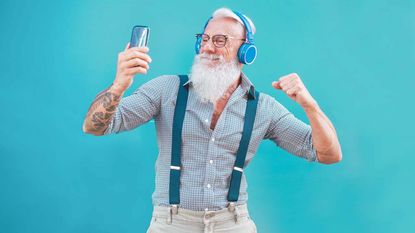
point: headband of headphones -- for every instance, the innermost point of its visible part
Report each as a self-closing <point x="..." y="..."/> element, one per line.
<point x="249" y="34"/>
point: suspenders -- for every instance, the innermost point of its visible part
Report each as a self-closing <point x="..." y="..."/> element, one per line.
<point x="175" y="168"/>
<point x="176" y="146"/>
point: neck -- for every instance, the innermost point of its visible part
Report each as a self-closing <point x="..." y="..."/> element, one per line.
<point x="225" y="97"/>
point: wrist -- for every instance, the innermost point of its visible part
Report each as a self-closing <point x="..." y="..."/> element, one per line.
<point x="117" y="89"/>
<point x="311" y="107"/>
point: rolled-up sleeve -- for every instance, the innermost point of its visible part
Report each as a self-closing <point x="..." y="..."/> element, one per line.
<point x="138" y="108"/>
<point x="290" y="133"/>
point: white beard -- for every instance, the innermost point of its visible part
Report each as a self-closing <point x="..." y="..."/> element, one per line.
<point x="210" y="81"/>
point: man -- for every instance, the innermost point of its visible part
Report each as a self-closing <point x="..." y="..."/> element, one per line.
<point x="214" y="125"/>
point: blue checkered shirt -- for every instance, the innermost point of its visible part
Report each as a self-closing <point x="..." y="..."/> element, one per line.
<point x="208" y="156"/>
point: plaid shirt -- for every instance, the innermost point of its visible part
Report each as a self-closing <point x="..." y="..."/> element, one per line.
<point x="208" y="155"/>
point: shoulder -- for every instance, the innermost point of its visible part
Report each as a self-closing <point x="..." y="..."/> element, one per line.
<point x="163" y="81"/>
<point x="163" y="84"/>
<point x="268" y="101"/>
<point x="270" y="104"/>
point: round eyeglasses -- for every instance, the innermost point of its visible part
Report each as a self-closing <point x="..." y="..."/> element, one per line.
<point x="219" y="41"/>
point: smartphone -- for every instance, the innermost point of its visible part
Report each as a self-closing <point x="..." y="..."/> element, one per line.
<point x="139" y="36"/>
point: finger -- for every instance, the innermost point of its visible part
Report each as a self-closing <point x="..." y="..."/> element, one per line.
<point x="289" y="77"/>
<point x="292" y="91"/>
<point x="136" y="70"/>
<point x="276" y="85"/>
<point x="141" y="49"/>
<point x="127" y="47"/>
<point x="135" y="62"/>
<point x="287" y="84"/>
<point x="135" y="54"/>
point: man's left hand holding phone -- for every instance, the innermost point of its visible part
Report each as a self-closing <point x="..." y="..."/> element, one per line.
<point x="133" y="60"/>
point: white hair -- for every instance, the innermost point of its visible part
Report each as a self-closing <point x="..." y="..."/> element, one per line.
<point x="225" y="12"/>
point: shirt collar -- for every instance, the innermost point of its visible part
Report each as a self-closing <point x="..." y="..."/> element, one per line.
<point x="246" y="86"/>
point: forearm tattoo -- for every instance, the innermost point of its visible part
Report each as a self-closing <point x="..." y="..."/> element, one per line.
<point x="101" y="111"/>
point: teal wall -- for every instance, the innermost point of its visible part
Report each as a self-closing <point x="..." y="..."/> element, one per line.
<point x="356" y="58"/>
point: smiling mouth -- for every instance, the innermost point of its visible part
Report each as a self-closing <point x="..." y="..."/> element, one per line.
<point x="210" y="59"/>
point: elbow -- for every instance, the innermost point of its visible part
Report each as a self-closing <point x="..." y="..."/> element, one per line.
<point x="335" y="159"/>
<point x="330" y="158"/>
<point x="93" y="132"/>
<point x="84" y="128"/>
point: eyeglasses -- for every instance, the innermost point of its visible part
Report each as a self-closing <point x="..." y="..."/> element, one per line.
<point x="219" y="41"/>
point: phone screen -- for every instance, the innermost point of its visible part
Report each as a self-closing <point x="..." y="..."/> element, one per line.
<point x="139" y="36"/>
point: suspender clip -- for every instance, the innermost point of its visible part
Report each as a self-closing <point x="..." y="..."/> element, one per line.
<point x="174" y="209"/>
<point x="231" y="206"/>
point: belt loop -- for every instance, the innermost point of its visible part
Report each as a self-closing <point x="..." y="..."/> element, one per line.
<point x="232" y="207"/>
<point x="173" y="209"/>
<point x="237" y="214"/>
<point x="169" y="217"/>
<point x="208" y="224"/>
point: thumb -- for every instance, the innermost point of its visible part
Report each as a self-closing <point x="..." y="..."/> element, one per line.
<point x="127" y="46"/>
<point x="276" y="85"/>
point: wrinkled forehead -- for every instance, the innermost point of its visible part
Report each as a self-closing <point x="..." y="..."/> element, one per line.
<point x="226" y="26"/>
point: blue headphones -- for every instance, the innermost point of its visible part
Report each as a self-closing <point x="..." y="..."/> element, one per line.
<point x="247" y="52"/>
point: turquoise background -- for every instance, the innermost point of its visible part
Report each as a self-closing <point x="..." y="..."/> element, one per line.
<point x="356" y="58"/>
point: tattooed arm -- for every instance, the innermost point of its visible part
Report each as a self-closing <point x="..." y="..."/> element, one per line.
<point x="131" y="61"/>
<point x="102" y="110"/>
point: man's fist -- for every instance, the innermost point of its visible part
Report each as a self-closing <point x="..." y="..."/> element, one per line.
<point x="292" y="85"/>
<point x="131" y="61"/>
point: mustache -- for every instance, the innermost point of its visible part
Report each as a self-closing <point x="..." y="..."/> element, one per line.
<point x="210" y="56"/>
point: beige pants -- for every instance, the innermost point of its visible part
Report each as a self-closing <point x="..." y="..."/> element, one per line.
<point x="184" y="221"/>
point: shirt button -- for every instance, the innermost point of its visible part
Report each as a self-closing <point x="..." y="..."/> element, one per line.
<point x="206" y="120"/>
<point x="211" y="161"/>
<point x="213" y="139"/>
<point x="208" y="185"/>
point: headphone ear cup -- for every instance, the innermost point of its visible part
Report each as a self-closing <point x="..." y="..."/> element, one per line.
<point x="197" y="45"/>
<point x="247" y="53"/>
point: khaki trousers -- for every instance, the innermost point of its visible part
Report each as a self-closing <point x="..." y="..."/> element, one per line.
<point x="235" y="220"/>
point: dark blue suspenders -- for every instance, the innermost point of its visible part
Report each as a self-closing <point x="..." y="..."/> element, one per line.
<point x="250" y="113"/>
<point x="176" y="146"/>
<point x="175" y="168"/>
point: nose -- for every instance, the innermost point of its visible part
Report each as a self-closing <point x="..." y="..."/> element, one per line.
<point x="207" y="47"/>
